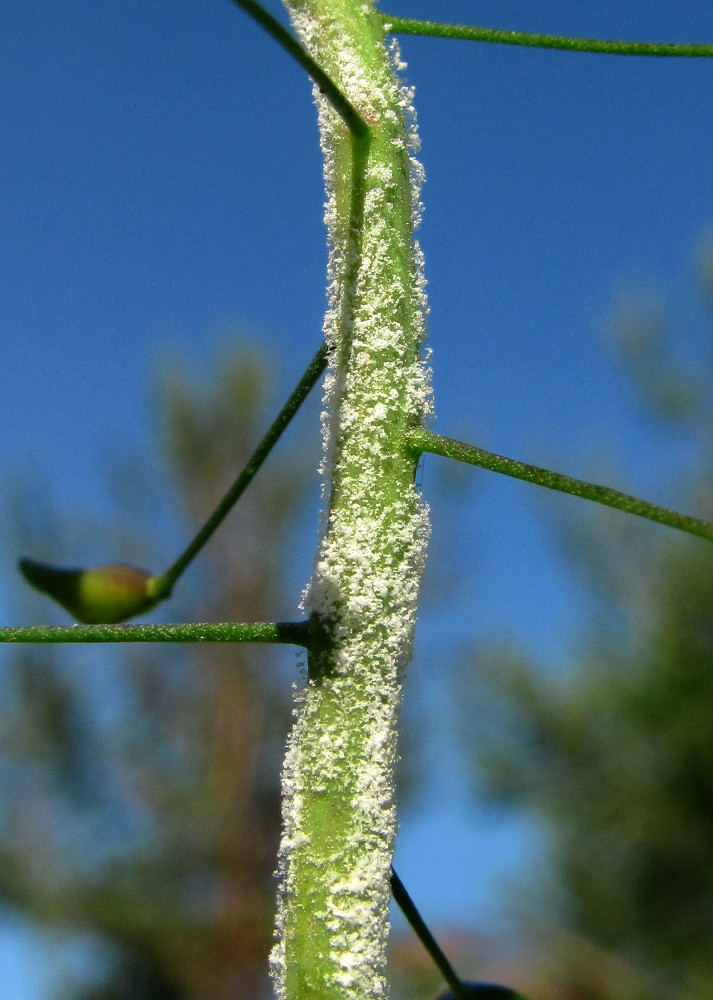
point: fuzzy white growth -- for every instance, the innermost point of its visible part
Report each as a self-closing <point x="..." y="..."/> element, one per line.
<point x="342" y="750"/>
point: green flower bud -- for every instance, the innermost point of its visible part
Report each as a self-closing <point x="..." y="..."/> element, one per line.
<point x="104" y="595"/>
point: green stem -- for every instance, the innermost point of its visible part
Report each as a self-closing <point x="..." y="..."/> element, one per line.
<point x="418" y="924"/>
<point x="163" y="585"/>
<point x="426" y="441"/>
<point x="411" y="26"/>
<point x="290" y="633"/>
<point x="339" y="816"/>
<point x="351" y="117"/>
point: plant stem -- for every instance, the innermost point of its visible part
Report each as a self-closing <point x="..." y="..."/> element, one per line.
<point x="353" y="120"/>
<point x="339" y="816"/>
<point x="408" y="908"/>
<point x="291" y="633"/>
<point x="163" y="585"/>
<point x="410" y="26"/>
<point x="426" y="441"/>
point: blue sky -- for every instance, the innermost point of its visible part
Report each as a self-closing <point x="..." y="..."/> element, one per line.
<point x="161" y="184"/>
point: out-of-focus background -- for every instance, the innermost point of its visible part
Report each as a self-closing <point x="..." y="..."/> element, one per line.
<point x="161" y="290"/>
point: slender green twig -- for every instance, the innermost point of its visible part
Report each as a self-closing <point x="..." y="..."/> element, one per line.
<point x="352" y="119"/>
<point x="162" y="585"/>
<point x="423" y="440"/>
<point x="408" y="908"/>
<point x="411" y="26"/>
<point x="290" y="633"/>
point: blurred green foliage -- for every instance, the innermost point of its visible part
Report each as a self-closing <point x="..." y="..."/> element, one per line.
<point x="139" y="788"/>
<point x="614" y="757"/>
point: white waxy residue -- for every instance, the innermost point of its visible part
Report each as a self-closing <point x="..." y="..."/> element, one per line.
<point x="342" y="749"/>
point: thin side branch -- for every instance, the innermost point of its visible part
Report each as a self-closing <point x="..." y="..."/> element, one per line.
<point x="422" y="932"/>
<point x="163" y="585"/>
<point x="426" y="441"/>
<point x="411" y="26"/>
<point x="341" y="104"/>
<point x="290" y="633"/>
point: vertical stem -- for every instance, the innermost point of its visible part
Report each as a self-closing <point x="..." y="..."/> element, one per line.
<point x="339" y="812"/>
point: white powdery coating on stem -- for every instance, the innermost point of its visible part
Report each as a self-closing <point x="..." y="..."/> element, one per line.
<point x="372" y="551"/>
<point x="418" y="175"/>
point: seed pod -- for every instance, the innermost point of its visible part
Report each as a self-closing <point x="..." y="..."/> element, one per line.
<point x="104" y="595"/>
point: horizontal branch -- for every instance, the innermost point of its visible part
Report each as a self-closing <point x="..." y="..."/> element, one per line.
<point x="411" y="26"/>
<point x="290" y="633"/>
<point x="426" y="441"/>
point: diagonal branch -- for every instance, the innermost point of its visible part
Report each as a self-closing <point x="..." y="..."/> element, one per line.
<point x="163" y="585"/>
<point x="424" y="440"/>
<point x="422" y="932"/>
<point x="341" y="104"/>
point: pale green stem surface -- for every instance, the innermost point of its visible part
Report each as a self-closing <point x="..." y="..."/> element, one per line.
<point x="435" y="29"/>
<point x="424" y="440"/>
<point x="339" y="816"/>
